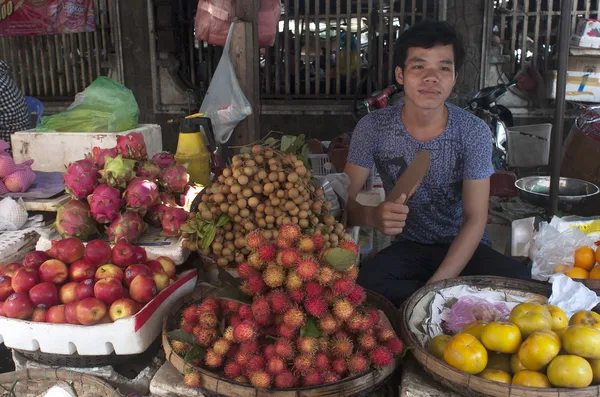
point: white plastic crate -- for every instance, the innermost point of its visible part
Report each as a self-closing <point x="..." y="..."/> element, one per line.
<point x="53" y="151"/>
<point x="528" y="145"/>
<point x="321" y="166"/>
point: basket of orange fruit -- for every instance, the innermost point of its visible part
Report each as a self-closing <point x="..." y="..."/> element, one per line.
<point x="537" y="351"/>
<point x="585" y="269"/>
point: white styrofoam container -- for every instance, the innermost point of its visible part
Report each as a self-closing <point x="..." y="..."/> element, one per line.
<point x="581" y="86"/>
<point x="53" y="151"/>
<point x="131" y="335"/>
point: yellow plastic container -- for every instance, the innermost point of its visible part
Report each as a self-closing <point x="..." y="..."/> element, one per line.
<point x="192" y="151"/>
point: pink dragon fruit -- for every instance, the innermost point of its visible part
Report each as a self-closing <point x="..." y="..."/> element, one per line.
<point x="148" y="170"/>
<point x="164" y="159"/>
<point x="105" y="203"/>
<point x="19" y="181"/>
<point x="141" y="194"/>
<point x="132" y="146"/>
<point x="74" y="219"/>
<point x="98" y="155"/>
<point x="128" y="227"/>
<point x="172" y="220"/>
<point x="174" y="178"/>
<point x="167" y="199"/>
<point x="155" y="213"/>
<point x="81" y="178"/>
<point x="117" y="172"/>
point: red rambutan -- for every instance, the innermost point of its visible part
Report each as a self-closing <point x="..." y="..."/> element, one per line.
<point x="287" y="332"/>
<point x="306" y="345"/>
<point x="279" y="301"/>
<point x="313" y="289"/>
<point x="276" y="365"/>
<point x="249" y="347"/>
<point x="269" y="351"/>
<point x="349" y="245"/>
<point x="205" y="336"/>
<point x="342" y="347"/>
<point x="328" y="324"/>
<point x="321" y="361"/>
<point x="233" y="370"/>
<point x="303" y="364"/>
<point x="221" y="347"/>
<point x="339" y="366"/>
<point x="381" y="356"/>
<point x="256" y="284"/>
<point x="235" y="320"/>
<point x="274" y="276"/>
<point x="293" y="281"/>
<point x="357" y="296"/>
<point x="342" y="287"/>
<point x="296" y="296"/>
<point x="288" y="258"/>
<point x="245" y="312"/>
<point x="384" y="333"/>
<point x="286" y="380"/>
<point x="245" y="270"/>
<point x="260" y="307"/>
<point x="367" y="342"/>
<point x="189" y="315"/>
<point x="187" y="327"/>
<point x="343" y="309"/>
<point x="306" y="244"/>
<point x="325" y="276"/>
<point x="245" y="332"/>
<point x="255" y="239"/>
<point x="294" y="318"/>
<point x="358" y="364"/>
<point x="283" y="244"/>
<point x="242" y="358"/>
<point x="260" y="379"/>
<point x="284" y="349"/>
<point x="207" y="320"/>
<point x="318" y="241"/>
<point x="374" y="315"/>
<point x="255" y="363"/>
<point x="191" y="379"/>
<point x="315" y="307"/>
<point x="312" y="378"/>
<point x="330" y="377"/>
<point x="212" y="359"/>
<point x="307" y="269"/>
<point x="266" y="252"/>
<point x="395" y="345"/>
<point x="289" y="231"/>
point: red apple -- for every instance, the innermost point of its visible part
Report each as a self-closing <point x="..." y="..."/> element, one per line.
<point x="161" y="279"/>
<point x="106" y="271"/>
<point x="168" y="265"/>
<point x="39" y="314"/>
<point x="122" y="308"/>
<point x="34" y="259"/>
<point x="81" y="270"/>
<point x="142" y="289"/>
<point x="140" y="254"/>
<point x="154" y="266"/>
<point x="54" y="271"/>
<point x="97" y="252"/>
<point x="5" y="287"/>
<point x="90" y="311"/>
<point x="123" y="254"/>
<point x="126" y="293"/>
<point x="134" y="270"/>
<point x="24" y="279"/>
<point x="9" y="270"/>
<point x="44" y="294"/>
<point x="108" y="290"/>
<point x="68" y="292"/>
<point x="85" y="289"/>
<point x="56" y="315"/>
<point x="18" y="306"/>
<point x="67" y="250"/>
<point x="71" y="313"/>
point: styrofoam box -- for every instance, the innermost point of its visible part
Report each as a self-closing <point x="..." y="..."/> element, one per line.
<point x="131" y="335"/>
<point x="53" y="151"/>
<point x="581" y="86"/>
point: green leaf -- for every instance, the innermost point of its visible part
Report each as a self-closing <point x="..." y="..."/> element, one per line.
<point x="182" y="336"/>
<point x="310" y="329"/>
<point x="245" y="149"/>
<point x="188" y="228"/>
<point x="223" y="220"/>
<point x="271" y="142"/>
<point x="340" y="259"/>
<point x="297" y="143"/>
<point x="287" y="141"/>
<point x="194" y="354"/>
<point x="232" y="293"/>
<point x="209" y="237"/>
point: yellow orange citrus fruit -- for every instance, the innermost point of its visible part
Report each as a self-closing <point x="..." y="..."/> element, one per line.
<point x="559" y="318"/>
<point x="530" y="317"/>
<point x="539" y="349"/>
<point x="561" y="268"/>
<point x="437" y="345"/>
<point x="582" y="341"/>
<point x="585" y="318"/>
<point x="501" y="337"/>
<point x="495" y="375"/>
<point x="466" y="353"/>
<point x="577" y="273"/>
<point x="515" y="364"/>
<point x="595" y="272"/>
<point x="585" y="258"/>
<point x="499" y="361"/>
<point x="474" y="328"/>
<point x="595" y="364"/>
<point x="531" y="379"/>
<point x="597" y="255"/>
<point x="570" y="371"/>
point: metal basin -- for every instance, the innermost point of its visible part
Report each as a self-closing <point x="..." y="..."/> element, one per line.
<point x="571" y="192"/>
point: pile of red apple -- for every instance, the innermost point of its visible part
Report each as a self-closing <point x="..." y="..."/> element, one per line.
<point x="75" y="284"/>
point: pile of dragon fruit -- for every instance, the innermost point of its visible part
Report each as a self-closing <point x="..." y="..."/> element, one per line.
<point x="14" y="178"/>
<point x="122" y="191"/>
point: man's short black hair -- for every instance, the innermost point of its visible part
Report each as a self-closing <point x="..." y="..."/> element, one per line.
<point x="427" y="34"/>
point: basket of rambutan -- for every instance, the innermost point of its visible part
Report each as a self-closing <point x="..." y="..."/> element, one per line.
<point x="295" y="320"/>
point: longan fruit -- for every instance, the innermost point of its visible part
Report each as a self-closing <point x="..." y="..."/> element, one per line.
<point x="259" y="159"/>
<point x="262" y="223"/>
<point x="270" y="219"/>
<point x="237" y="218"/>
<point x="222" y="262"/>
<point x="241" y="203"/>
<point x="272" y="176"/>
<point x="244" y="213"/>
<point x="224" y="207"/>
<point x="243" y="180"/>
<point x="268" y="188"/>
<point x="303" y="223"/>
<point x="247" y="192"/>
<point x="292" y="177"/>
<point x="280" y="194"/>
<point x="281" y="178"/>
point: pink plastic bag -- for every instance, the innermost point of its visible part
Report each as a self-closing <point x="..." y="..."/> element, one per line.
<point x="214" y="17"/>
<point x="469" y="309"/>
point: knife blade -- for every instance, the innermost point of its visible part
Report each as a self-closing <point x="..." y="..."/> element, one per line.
<point x="411" y="178"/>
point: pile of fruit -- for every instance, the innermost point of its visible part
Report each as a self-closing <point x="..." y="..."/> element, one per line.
<point x="538" y="347"/>
<point x="14" y="178"/>
<point x="121" y="189"/>
<point x="264" y="188"/>
<point x="76" y="284"/>
<point x="585" y="264"/>
<point x="305" y="322"/>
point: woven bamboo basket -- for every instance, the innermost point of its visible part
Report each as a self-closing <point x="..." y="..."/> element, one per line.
<point x="215" y="385"/>
<point x="594" y="285"/>
<point x="35" y="382"/>
<point x="472" y="385"/>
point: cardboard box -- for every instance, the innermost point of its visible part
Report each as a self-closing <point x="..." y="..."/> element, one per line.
<point x="587" y="33"/>
<point x="581" y="157"/>
<point x="581" y="86"/>
<point x="586" y="64"/>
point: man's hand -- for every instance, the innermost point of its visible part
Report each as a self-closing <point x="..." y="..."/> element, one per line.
<point x="389" y="217"/>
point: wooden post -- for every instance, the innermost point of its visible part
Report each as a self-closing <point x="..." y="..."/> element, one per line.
<point x="245" y="57"/>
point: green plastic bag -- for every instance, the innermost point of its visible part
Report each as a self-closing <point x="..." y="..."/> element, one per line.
<point x="104" y="106"/>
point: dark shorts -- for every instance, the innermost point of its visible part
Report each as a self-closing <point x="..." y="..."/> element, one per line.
<point x="399" y="270"/>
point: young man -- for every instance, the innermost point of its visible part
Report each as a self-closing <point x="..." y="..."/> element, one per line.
<point x="444" y="233"/>
<point x="14" y="113"/>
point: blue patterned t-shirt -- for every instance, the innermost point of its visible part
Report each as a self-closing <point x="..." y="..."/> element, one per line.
<point x="463" y="151"/>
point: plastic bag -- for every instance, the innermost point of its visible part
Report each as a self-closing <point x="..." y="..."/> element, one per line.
<point x="468" y="309"/>
<point x="225" y="103"/>
<point x="104" y="106"/>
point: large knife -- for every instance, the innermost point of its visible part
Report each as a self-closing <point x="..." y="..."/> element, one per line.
<point x="411" y="178"/>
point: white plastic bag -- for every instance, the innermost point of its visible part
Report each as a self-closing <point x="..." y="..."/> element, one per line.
<point x="225" y="103"/>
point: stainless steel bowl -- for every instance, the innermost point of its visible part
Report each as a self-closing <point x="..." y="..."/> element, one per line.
<point x="571" y="192"/>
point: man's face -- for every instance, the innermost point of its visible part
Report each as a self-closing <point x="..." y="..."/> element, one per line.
<point x="429" y="75"/>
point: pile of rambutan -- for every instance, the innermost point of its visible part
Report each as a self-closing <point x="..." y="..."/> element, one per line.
<point x="307" y="323"/>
